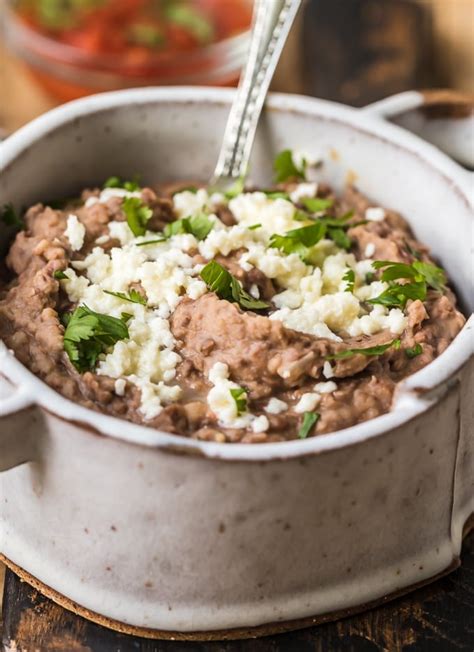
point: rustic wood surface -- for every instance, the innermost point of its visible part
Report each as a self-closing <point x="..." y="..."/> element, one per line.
<point x="436" y="618"/>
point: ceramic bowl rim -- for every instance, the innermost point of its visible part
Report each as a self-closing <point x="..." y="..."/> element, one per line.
<point x="414" y="395"/>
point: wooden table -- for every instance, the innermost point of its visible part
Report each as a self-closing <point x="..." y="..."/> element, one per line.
<point x="436" y="618"/>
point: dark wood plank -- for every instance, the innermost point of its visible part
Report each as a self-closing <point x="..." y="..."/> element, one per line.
<point x="436" y="618"/>
<point x="359" y="51"/>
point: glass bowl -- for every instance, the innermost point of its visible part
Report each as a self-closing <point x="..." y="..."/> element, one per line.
<point x="68" y="72"/>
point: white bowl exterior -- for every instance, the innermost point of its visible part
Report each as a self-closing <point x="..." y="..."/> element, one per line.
<point x="253" y="534"/>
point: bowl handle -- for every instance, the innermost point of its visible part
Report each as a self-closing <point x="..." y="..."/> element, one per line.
<point x="20" y="426"/>
<point x="444" y="118"/>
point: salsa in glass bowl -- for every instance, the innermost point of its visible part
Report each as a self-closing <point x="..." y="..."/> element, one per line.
<point x="78" y="47"/>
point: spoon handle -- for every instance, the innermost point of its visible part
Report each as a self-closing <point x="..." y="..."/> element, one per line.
<point x="272" y="20"/>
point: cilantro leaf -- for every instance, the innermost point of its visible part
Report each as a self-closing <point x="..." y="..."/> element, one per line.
<point x="133" y="296"/>
<point x="88" y="334"/>
<point x="237" y="188"/>
<point x="349" y="278"/>
<point x="150" y="242"/>
<point x="412" y="352"/>
<point x="397" y="295"/>
<point x="317" y="204"/>
<point x="192" y="20"/>
<point x="240" y="398"/>
<point x="137" y="214"/>
<point x="227" y="287"/>
<point x="197" y="225"/>
<point x="369" y="351"/>
<point x="340" y="237"/>
<point x="285" y="167"/>
<point x="434" y="276"/>
<point x="9" y="217"/>
<point x="253" y="227"/>
<point x="60" y="275"/>
<point x="277" y="194"/>
<point x="309" y="420"/>
<point x="299" y="241"/>
<point x="117" y="182"/>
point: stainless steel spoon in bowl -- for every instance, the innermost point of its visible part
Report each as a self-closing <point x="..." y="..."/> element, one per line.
<point x="272" y="20"/>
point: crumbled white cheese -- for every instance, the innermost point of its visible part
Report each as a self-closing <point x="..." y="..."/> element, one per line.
<point x="119" y="386"/>
<point x="307" y="402"/>
<point x="374" y="214"/>
<point x="102" y="239"/>
<point x="303" y="191"/>
<point x="108" y="193"/>
<point x="275" y="215"/>
<point x="188" y="203"/>
<point x="369" y="250"/>
<point x="328" y="371"/>
<point x="260" y="424"/>
<point x="254" y="291"/>
<point x="325" y="388"/>
<point x="75" y="232"/>
<point x="276" y="406"/>
<point x="301" y="158"/>
<point x="74" y="285"/>
<point x="223" y="404"/>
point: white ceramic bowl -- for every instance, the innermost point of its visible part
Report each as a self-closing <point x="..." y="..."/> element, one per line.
<point x="166" y="536"/>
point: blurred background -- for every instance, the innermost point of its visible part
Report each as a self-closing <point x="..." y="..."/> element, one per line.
<point x="352" y="51"/>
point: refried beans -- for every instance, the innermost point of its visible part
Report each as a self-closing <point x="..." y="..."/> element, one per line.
<point x="251" y="316"/>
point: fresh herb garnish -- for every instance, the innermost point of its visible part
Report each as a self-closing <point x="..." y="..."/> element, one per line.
<point x="226" y="286"/>
<point x="146" y="35"/>
<point x="137" y="214"/>
<point x="133" y="296"/>
<point x="309" y="420"/>
<point x="420" y="276"/>
<point x="88" y="334"/>
<point x="192" y="189"/>
<point x="60" y="275"/>
<point x="197" y="225"/>
<point x="192" y="20"/>
<point x="9" y="217"/>
<point x="253" y="227"/>
<point x="240" y="398"/>
<point x="277" y="194"/>
<point x="317" y="204"/>
<point x="412" y="352"/>
<point x="369" y="351"/>
<point x="299" y="241"/>
<point x="369" y="278"/>
<point x="237" y="188"/>
<point x="150" y="242"/>
<point x="340" y="237"/>
<point x="349" y="278"/>
<point x="117" y="182"/>
<point x="285" y="167"/>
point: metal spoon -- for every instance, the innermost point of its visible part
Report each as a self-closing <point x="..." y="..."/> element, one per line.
<point x="272" y="20"/>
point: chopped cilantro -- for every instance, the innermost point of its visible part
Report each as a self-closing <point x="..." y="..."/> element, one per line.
<point x="88" y="334"/>
<point x="150" y="242"/>
<point x="299" y="241"/>
<point x="237" y="188"/>
<point x="412" y="352"/>
<point x="419" y="274"/>
<point x="137" y="214"/>
<point x="369" y="278"/>
<point x="277" y="194"/>
<point x="349" y="278"/>
<point x="340" y="237"/>
<point x="309" y="420"/>
<point x="146" y="35"/>
<point x="369" y="351"/>
<point x="192" y="20"/>
<point x="9" y="217"/>
<point x="117" y="182"/>
<point x="226" y="286"/>
<point x="60" y="275"/>
<point x="317" y="204"/>
<point x="198" y="225"/>
<point x="240" y="398"/>
<point x="285" y="167"/>
<point x="133" y="296"/>
<point x="254" y="226"/>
